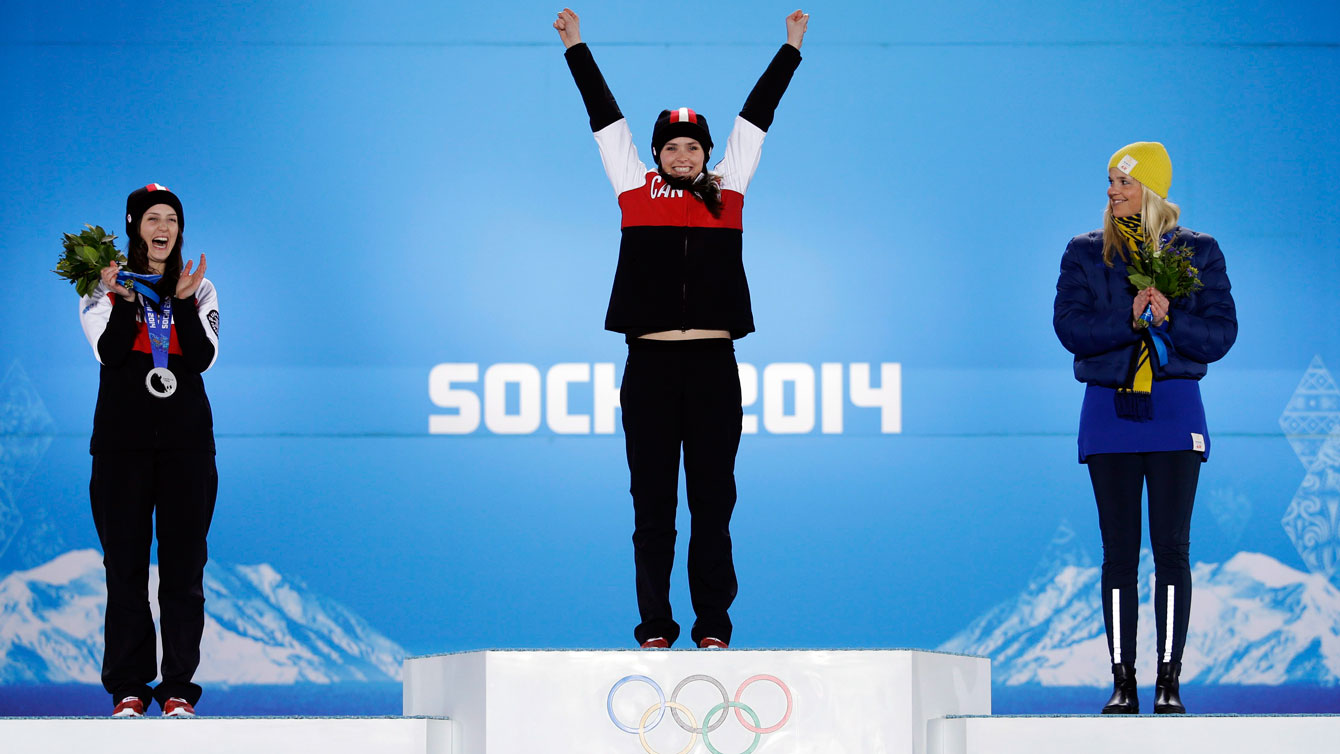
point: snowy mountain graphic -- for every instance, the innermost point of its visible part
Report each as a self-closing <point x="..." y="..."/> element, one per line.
<point x="260" y="627"/>
<point x="1254" y="620"/>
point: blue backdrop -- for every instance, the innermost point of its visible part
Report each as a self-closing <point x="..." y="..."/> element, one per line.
<point x="385" y="187"/>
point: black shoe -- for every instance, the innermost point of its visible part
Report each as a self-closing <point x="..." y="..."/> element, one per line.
<point x="1124" y="700"/>
<point x="1167" y="700"/>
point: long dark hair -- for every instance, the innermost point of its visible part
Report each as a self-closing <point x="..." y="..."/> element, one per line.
<point x="137" y="260"/>
<point x="705" y="187"/>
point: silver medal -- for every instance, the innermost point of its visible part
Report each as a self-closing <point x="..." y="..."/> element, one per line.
<point x="161" y="382"/>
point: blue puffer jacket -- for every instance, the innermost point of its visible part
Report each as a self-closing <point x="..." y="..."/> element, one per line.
<point x="1092" y="313"/>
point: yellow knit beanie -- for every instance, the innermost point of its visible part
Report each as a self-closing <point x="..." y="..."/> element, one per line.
<point x="1146" y="162"/>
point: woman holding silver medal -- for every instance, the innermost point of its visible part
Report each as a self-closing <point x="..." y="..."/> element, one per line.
<point x="154" y="329"/>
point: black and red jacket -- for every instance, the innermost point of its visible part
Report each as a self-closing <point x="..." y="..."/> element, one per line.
<point x="127" y="417"/>
<point x="680" y="268"/>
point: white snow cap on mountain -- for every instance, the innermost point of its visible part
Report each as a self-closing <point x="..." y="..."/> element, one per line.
<point x="1254" y="620"/>
<point x="260" y="627"/>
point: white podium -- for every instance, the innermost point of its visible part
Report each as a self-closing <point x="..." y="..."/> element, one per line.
<point x="226" y="735"/>
<point x="1122" y="734"/>
<point x="756" y="701"/>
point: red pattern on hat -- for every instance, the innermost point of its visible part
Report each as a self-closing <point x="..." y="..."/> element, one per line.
<point x="692" y="117"/>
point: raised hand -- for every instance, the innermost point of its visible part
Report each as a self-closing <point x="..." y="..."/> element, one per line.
<point x="570" y="27"/>
<point x="188" y="282"/>
<point x="109" y="281"/>
<point x="796" y="23"/>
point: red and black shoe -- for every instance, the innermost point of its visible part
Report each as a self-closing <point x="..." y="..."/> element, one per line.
<point x="131" y="706"/>
<point x="712" y="642"/>
<point x="658" y="642"/>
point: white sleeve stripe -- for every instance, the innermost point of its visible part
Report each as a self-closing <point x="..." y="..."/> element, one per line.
<point x="619" y="155"/>
<point x="743" y="149"/>
<point x="94" y="311"/>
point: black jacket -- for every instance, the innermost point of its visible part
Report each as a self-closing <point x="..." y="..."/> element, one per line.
<point x="127" y="417"/>
<point x="680" y="267"/>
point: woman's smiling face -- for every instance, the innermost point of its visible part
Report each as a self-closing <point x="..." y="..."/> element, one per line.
<point x="159" y="229"/>
<point x="683" y="157"/>
<point x="1124" y="194"/>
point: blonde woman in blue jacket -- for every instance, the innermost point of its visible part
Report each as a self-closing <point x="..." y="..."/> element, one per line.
<point x="1142" y="425"/>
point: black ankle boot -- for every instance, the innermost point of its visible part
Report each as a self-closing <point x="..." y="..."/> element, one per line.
<point x="1124" y="700"/>
<point x="1167" y="700"/>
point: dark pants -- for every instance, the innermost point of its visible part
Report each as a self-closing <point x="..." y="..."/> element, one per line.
<point x="126" y="491"/>
<point x="682" y="393"/>
<point x="1171" y="480"/>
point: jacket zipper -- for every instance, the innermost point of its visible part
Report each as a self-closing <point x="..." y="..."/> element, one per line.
<point x="684" y="287"/>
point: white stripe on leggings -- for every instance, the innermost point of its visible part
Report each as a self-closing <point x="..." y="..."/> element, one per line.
<point x="1168" y="625"/>
<point x="1116" y="626"/>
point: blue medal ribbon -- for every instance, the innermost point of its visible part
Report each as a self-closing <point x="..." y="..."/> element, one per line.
<point x="1159" y="337"/>
<point x="160" y="331"/>
<point x="141" y="284"/>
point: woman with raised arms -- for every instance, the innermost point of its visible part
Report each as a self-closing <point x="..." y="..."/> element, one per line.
<point x="680" y="298"/>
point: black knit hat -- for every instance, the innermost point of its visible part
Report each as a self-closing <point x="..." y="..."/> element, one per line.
<point x="141" y="199"/>
<point x="672" y="124"/>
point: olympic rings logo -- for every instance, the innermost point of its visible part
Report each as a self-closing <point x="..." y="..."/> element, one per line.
<point x="688" y="722"/>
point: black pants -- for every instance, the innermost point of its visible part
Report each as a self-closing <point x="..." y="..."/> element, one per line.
<point x="1117" y="481"/>
<point x="682" y="393"/>
<point x="126" y="490"/>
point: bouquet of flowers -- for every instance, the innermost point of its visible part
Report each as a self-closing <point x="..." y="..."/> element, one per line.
<point x="1167" y="269"/>
<point x="85" y="257"/>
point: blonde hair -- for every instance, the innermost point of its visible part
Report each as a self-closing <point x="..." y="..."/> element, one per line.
<point x="1157" y="217"/>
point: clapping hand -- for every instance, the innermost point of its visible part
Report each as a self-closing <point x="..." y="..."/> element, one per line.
<point x="188" y="282"/>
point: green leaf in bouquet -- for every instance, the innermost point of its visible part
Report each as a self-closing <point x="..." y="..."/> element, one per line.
<point x="85" y="256"/>
<point x="1141" y="282"/>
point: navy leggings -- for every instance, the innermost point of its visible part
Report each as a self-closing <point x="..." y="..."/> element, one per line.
<point x="1170" y="477"/>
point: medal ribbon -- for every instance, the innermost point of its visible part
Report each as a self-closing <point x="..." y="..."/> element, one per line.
<point x="141" y="284"/>
<point x="1162" y="341"/>
<point x="160" y="331"/>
